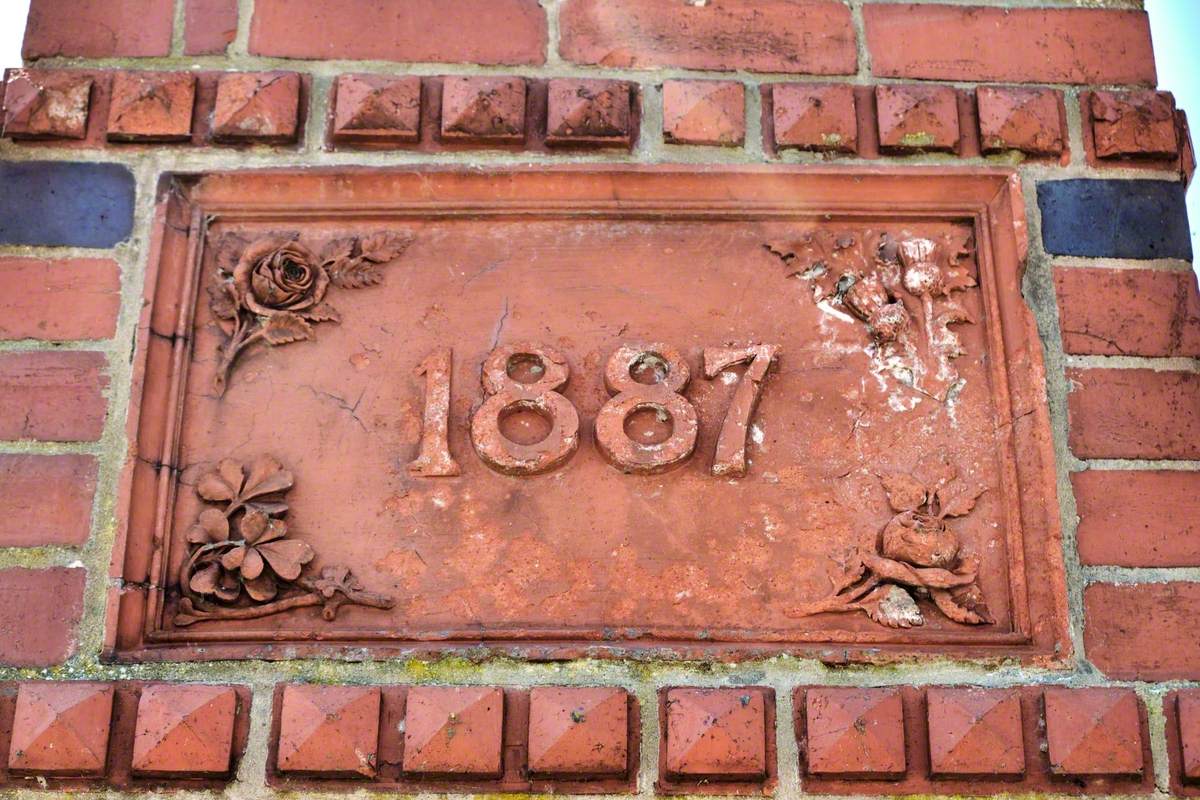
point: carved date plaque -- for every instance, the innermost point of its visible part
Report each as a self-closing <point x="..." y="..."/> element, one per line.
<point x="588" y="412"/>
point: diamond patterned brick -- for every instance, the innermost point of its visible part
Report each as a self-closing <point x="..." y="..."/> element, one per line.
<point x="855" y="733"/>
<point x="257" y="107"/>
<point x="377" y="108"/>
<point x="329" y="730"/>
<point x="43" y="104"/>
<point x="454" y="731"/>
<point x="1012" y="118"/>
<point x="1133" y="124"/>
<point x="483" y="109"/>
<point x="61" y="728"/>
<point x="1187" y="710"/>
<point x="717" y="734"/>
<point x="589" y="112"/>
<point x="916" y="118"/>
<point x="975" y="733"/>
<point x="578" y="732"/>
<point x="184" y="730"/>
<point x="151" y="107"/>
<point x="704" y="112"/>
<point x="1093" y="732"/>
<point x="815" y="117"/>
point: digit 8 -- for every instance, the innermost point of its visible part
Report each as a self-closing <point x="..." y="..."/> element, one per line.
<point x="507" y="395"/>
<point x="631" y="395"/>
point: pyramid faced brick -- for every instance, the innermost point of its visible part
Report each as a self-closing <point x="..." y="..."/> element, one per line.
<point x="1012" y="118"/>
<point x="61" y="729"/>
<point x="704" y="112"/>
<point x="1188" y="712"/>
<point x="257" y="107"/>
<point x="1093" y="732"/>
<point x="855" y="733"/>
<point x="975" y="733"/>
<point x="914" y="118"/>
<point x="151" y="107"/>
<point x="595" y="112"/>
<point x="329" y="730"/>
<point x="483" y="109"/>
<point x="1132" y="124"/>
<point x="815" y="117"/>
<point x="377" y="108"/>
<point x="184" y="730"/>
<point x="454" y="730"/>
<point x="717" y="734"/>
<point x="44" y="104"/>
<point x="580" y="732"/>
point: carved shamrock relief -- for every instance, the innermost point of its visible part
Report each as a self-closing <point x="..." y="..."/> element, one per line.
<point x="241" y="563"/>
<point x="901" y="288"/>
<point x="273" y="289"/>
<point x="915" y="555"/>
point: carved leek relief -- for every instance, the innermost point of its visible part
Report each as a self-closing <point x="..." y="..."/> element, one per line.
<point x="273" y="289"/>
<point x="241" y="563"/>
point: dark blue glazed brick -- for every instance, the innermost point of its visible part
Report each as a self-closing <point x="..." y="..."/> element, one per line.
<point x="1114" y="219"/>
<point x="63" y="204"/>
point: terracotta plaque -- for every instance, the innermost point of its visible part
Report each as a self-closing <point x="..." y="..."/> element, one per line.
<point x="569" y="412"/>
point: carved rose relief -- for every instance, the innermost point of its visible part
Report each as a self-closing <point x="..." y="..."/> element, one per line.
<point x="241" y="563"/>
<point x="273" y="289"/>
<point x="901" y="288"/>
<point x="916" y="555"/>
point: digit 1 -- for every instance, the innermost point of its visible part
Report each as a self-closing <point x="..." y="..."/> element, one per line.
<point x="434" y="459"/>
<point x="730" y="457"/>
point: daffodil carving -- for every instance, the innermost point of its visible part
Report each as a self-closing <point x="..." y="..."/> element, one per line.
<point x="241" y="562"/>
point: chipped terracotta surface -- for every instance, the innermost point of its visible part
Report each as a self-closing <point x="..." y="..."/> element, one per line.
<point x="1134" y="124"/>
<point x="815" y="116"/>
<point x="151" y="107"/>
<point x="917" y="118"/>
<point x="257" y="107"/>
<point x="590" y="112"/>
<point x="376" y="108"/>
<point x="704" y="112"/>
<point x="1029" y="120"/>
<point x="42" y="104"/>
<point x="483" y="109"/>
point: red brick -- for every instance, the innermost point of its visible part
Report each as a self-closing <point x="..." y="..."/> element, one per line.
<point x="815" y="116"/>
<point x="716" y="734"/>
<point x="63" y="300"/>
<point x="52" y="396"/>
<point x="61" y="728"/>
<point x="916" y="118"/>
<point x="259" y="107"/>
<point x="46" y="500"/>
<point x="854" y="733"/>
<point x="795" y="36"/>
<point x="1187" y="712"/>
<point x="578" y="731"/>
<point x="33" y="632"/>
<point x="1143" y="631"/>
<point x="454" y="731"/>
<point x="209" y="26"/>
<point x="329" y="730"/>
<point x="589" y="112"/>
<point x="184" y="730"/>
<point x="704" y="112"/>
<point x="1134" y="413"/>
<point x="151" y="107"/>
<point x="1093" y="731"/>
<point x="975" y="733"/>
<point x="1135" y="518"/>
<point x="1134" y="124"/>
<point x="468" y="31"/>
<point x="1130" y="312"/>
<point x="1015" y="118"/>
<point x="98" y="28"/>
<point x="46" y="104"/>
<point x="483" y="109"/>
<point x="973" y="43"/>
<point x="377" y="108"/>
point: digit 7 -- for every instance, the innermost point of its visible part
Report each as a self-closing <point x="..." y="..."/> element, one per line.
<point x="730" y="457"/>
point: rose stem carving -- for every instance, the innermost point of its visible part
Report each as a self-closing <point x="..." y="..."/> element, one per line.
<point x="901" y="289"/>
<point x="273" y="290"/>
<point x="915" y="553"/>
<point x="240" y="560"/>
